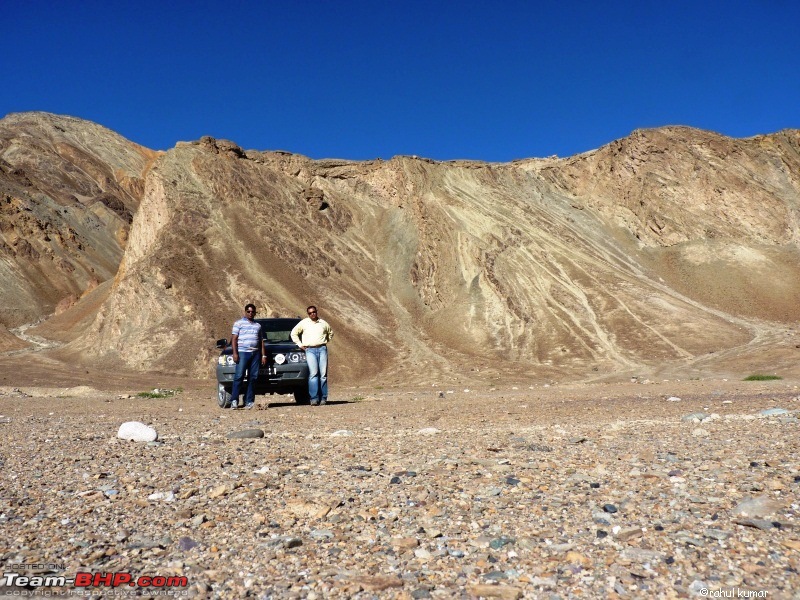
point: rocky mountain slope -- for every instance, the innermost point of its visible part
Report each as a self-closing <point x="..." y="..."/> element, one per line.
<point x="670" y="249"/>
<point x="68" y="193"/>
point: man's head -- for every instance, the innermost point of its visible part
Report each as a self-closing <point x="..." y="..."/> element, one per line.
<point x="250" y="311"/>
<point x="311" y="311"/>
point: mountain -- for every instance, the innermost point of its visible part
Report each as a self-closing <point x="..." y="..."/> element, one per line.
<point x="68" y="193"/>
<point x="671" y="250"/>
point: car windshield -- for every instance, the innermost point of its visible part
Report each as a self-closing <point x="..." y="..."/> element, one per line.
<point x="277" y="330"/>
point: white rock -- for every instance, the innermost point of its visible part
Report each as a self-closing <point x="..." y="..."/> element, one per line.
<point x="165" y="496"/>
<point x="428" y="431"/>
<point x="342" y="433"/>
<point x="757" y="507"/>
<point x="673" y="399"/>
<point x="773" y="412"/>
<point x="137" y="432"/>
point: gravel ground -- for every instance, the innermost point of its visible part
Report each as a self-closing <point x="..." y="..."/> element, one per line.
<point x="662" y="489"/>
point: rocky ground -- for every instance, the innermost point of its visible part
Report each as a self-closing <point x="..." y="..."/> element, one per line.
<point x="662" y="489"/>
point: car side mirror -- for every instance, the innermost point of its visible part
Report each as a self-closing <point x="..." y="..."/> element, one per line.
<point x="221" y="343"/>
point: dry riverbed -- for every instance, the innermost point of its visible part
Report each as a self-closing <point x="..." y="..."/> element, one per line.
<point x="662" y="489"/>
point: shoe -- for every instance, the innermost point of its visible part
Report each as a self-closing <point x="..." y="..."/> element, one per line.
<point x="323" y="402"/>
<point x="315" y="404"/>
<point x="233" y="406"/>
<point x="250" y="406"/>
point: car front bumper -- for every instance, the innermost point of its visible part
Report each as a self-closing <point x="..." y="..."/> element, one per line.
<point x="271" y="378"/>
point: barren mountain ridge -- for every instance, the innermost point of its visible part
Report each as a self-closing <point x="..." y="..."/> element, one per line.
<point x="673" y="249"/>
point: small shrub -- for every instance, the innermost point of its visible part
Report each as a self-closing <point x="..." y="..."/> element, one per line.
<point x="762" y="377"/>
<point x="159" y="393"/>
<point x="357" y="399"/>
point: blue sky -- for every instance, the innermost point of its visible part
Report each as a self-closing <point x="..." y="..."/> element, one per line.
<point x="484" y="80"/>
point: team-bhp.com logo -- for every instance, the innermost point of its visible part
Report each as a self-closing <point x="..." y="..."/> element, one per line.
<point x="96" y="580"/>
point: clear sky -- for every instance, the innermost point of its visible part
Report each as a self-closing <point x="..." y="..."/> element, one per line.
<point x="481" y="80"/>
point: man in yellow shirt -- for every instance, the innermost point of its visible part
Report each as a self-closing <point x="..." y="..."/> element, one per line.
<point x="312" y="334"/>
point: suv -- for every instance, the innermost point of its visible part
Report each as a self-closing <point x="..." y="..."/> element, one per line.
<point x="286" y="371"/>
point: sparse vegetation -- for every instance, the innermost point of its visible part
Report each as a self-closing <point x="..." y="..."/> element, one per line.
<point x="762" y="377"/>
<point x="357" y="399"/>
<point x="159" y="393"/>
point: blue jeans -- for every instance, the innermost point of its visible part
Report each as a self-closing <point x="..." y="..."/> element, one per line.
<point x="317" y="359"/>
<point x="250" y="362"/>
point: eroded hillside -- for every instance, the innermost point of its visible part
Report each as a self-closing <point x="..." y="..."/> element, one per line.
<point x="68" y="193"/>
<point x="671" y="247"/>
<point x="716" y="217"/>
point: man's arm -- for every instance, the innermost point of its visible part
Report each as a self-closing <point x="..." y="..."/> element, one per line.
<point x="235" y="347"/>
<point x="263" y="347"/>
<point x="296" y="331"/>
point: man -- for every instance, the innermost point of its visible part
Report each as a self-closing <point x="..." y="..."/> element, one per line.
<point x="247" y="343"/>
<point x="312" y="334"/>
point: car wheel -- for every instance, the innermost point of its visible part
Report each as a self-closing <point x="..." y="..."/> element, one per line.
<point x="301" y="395"/>
<point x="223" y="396"/>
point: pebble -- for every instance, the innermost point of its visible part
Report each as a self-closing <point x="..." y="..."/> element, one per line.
<point x="717" y="534"/>
<point x="773" y="412"/>
<point x="187" y="543"/>
<point x="762" y="524"/>
<point x="642" y="555"/>
<point x="163" y="496"/>
<point x="245" y="434"/>
<point x="627" y="534"/>
<point x="495" y="591"/>
<point x="428" y="431"/>
<point x="697" y="417"/>
<point x="498" y="543"/>
<point x="761" y="506"/>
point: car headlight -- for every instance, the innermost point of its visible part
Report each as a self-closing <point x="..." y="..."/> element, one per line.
<point x="296" y="357"/>
<point x="279" y="359"/>
<point x="226" y="360"/>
